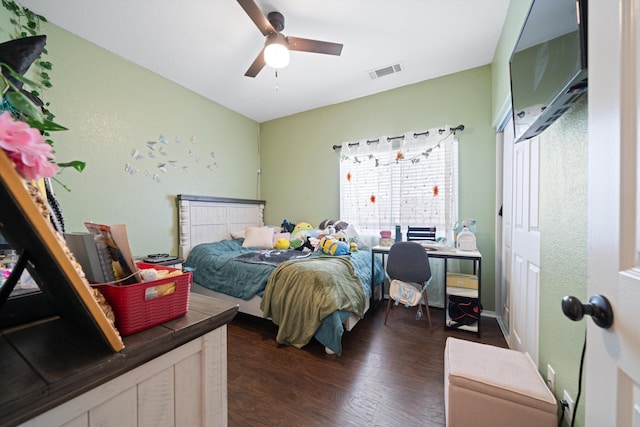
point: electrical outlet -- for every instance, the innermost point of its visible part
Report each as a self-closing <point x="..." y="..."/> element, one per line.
<point x="551" y="379"/>
<point x="568" y="412"/>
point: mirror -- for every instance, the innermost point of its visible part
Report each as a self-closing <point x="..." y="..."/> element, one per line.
<point x="25" y="225"/>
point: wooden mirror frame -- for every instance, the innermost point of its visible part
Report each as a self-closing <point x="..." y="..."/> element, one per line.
<point x="44" y="253"/>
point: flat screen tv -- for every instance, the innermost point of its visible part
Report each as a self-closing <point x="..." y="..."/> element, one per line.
<point x="548" y="67"/>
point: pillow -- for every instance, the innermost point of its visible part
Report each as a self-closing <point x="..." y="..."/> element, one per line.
<point x="258" y="237"/>
<point x="240" y="234"/>
<point x="277" y="236"/>
<point x="352" y="232"/>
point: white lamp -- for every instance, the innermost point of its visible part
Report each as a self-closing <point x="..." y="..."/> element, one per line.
<point x="276" y="53"/>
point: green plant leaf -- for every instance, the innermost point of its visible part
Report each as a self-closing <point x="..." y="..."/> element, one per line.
<point x="76" y="164"/>
<point x="18" y="76"/>
<point x="24" y="105"/>
<point x="45" y="125"/>
<point x="62" y="184"/>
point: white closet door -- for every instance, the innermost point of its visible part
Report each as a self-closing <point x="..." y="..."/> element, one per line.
<point x="525" y="266"/>
<point x="504" y="294"/>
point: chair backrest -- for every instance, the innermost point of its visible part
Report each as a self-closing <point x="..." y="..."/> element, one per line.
<point x="421" y="233"/>
<point x="409" y="262"/>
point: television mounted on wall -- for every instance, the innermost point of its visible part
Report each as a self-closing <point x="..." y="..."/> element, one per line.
<point x="548" y="67"/>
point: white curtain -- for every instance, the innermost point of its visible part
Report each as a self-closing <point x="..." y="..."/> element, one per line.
<point x="411" y="179"/>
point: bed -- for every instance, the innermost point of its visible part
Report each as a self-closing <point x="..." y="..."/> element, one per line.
<point x="224" y="269"/>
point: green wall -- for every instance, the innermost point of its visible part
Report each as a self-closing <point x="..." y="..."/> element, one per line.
<point x="500" y="84"/>
<point x="563" y="188"/>
<point x="112" y="108"/>
<point x="300" y="178"/>
<point x="563" y="245"/>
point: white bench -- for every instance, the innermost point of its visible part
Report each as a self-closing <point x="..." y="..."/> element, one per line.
<point x="486" y="385"/>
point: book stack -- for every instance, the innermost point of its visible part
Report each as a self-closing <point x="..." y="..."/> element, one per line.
<point x="104" y="254"/>
<point x="93" y="255"/>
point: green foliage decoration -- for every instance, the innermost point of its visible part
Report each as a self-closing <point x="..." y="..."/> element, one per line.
<point x="27" y="23"/>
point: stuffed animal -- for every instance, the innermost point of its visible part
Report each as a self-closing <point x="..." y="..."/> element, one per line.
<point x="354" y="235"/>
<point x="336" y="224"/>
<point x="299" y="234"/>
<point x="301" y="226"/>
<point x="327" y="232"/>
<point x="340" y="225"/>
<point x="341" y="235"/>
<point x="282" y="243"/>
<point x="333" y="247"/>
<point x="325" y="223"/>
<point x="307" y="246"/>
<point x="287" y="227"/>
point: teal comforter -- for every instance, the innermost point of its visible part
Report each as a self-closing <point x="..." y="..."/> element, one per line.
<point x="213" y="266"/>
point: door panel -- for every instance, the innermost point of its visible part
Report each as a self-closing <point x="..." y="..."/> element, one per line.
<point x="612" y="369"/>
<point x="525" y="286"/>
<point x="504" y="308"/>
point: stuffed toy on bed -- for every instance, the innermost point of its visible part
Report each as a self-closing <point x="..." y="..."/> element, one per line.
<point x="282" y="243"/>
<point x="309" y="245"/>
<point x="337" y="225"/>
<point x="333" y="247"/>
<point x="299" y="234"/>
<point x="287" y="227"/>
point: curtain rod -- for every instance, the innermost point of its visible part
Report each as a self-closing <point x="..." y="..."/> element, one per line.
<point x="391" y="138"/>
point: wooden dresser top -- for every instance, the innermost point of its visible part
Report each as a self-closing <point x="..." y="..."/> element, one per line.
<point x="45" y="363"/>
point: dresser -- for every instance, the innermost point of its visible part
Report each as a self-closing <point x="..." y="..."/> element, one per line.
<point x="53" y="373"/>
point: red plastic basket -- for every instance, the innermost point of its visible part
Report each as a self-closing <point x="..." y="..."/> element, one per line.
<point x="138" y="307"/>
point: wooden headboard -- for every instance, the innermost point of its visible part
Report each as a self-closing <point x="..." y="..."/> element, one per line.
<point x="203" y="219"/>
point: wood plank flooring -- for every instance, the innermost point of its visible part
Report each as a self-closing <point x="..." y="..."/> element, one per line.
<point x="387" y="376"/>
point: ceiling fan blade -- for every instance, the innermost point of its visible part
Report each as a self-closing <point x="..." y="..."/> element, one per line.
<point x="314" y="46"/>
<point x="257" y="65"/>
<point x="257" y="17"/>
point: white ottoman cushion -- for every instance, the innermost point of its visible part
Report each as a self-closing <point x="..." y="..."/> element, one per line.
<point x="488" y="385"/>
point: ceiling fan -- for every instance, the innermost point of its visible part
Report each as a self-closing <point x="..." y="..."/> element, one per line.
<point x="277" y="46"/>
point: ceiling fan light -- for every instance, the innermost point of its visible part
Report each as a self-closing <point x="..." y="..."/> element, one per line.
<point x="276" y="53"/>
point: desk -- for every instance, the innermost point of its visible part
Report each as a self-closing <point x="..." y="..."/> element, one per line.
<point x="474" y="256"/>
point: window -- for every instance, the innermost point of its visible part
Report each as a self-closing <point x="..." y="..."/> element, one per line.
<point x="407" y="180"/>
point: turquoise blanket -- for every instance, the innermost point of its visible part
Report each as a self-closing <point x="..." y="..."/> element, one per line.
<point x="213" y="266"/>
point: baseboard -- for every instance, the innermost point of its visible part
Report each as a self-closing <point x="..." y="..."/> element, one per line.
<point x="488" y="313"/>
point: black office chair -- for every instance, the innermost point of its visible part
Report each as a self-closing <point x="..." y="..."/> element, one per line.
<point x="409" y="262"/>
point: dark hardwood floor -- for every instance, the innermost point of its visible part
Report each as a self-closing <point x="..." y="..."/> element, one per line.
<point x="389" y="375"/>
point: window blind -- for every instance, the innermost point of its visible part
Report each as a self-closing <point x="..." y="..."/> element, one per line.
<point x="412" y="180"/>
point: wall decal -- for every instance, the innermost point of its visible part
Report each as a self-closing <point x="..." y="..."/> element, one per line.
<point x="166" y="153"/>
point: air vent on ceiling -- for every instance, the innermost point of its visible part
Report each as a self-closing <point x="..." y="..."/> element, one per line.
<point x="385" y="71"/>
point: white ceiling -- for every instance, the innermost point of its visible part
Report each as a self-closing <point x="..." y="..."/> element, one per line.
<point x="207" y="45"/>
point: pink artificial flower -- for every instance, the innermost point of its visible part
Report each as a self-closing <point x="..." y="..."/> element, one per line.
<point x="26" y="147"/>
